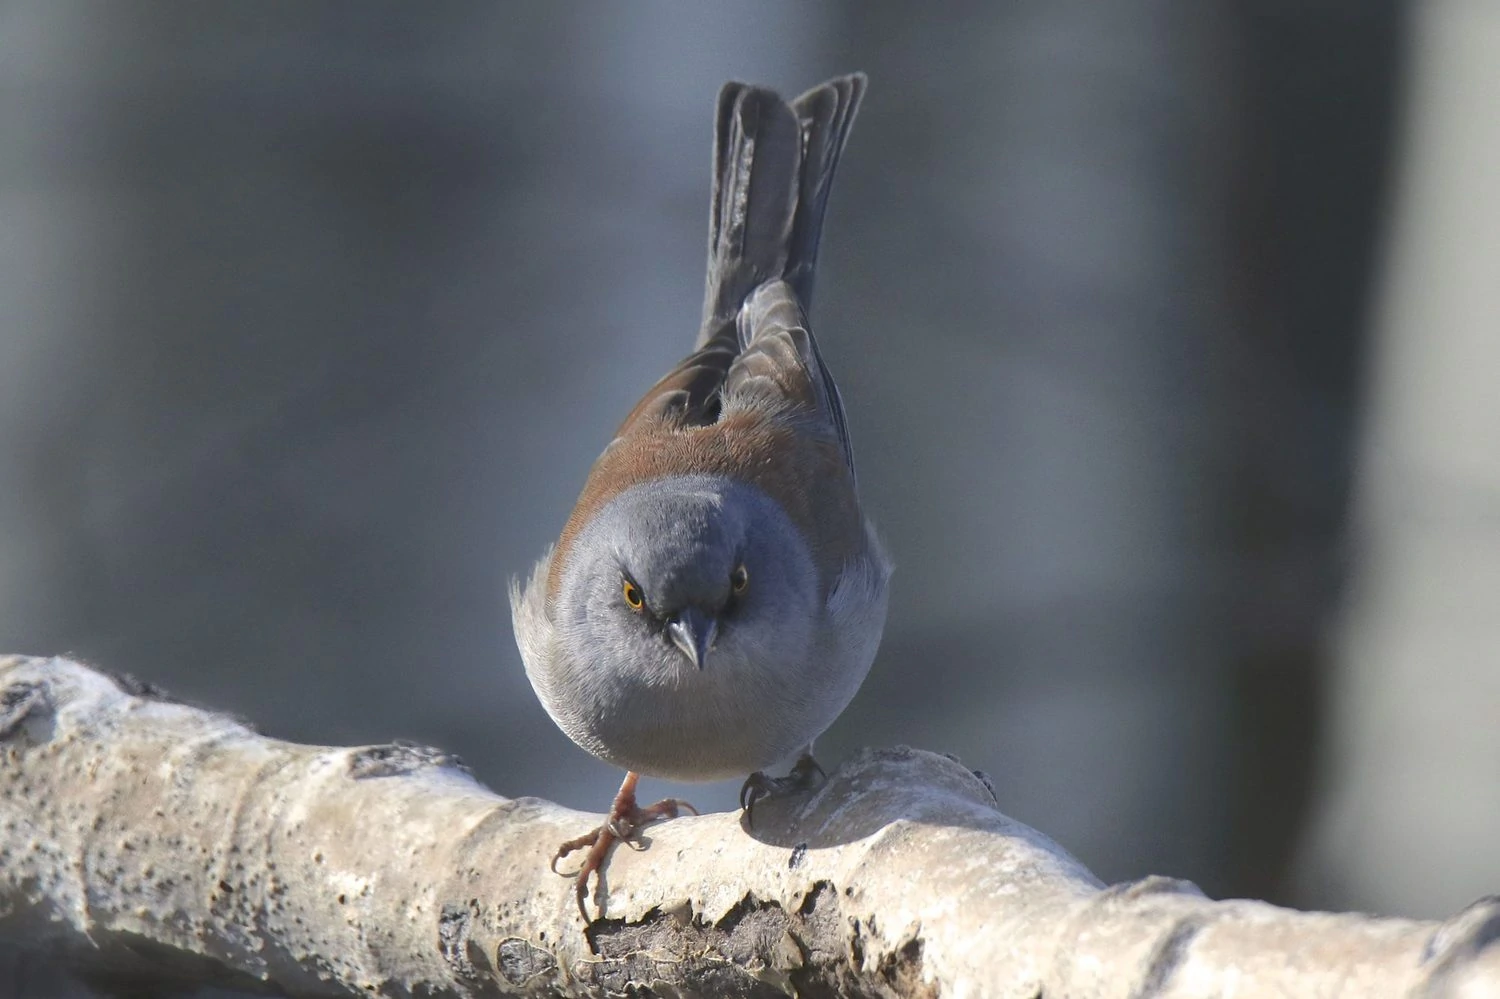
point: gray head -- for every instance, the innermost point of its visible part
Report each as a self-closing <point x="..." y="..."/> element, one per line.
<point x="688" y="575"/>
<point x="689" y="634"/>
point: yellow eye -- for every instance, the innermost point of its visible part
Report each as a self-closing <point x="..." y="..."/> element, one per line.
<point x="739" y="580"/>
<point x="632" y="594"/>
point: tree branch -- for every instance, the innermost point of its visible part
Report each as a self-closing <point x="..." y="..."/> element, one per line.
<point x="143" y="841"/>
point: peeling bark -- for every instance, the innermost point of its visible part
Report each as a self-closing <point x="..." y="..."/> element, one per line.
<point x="144" y="841"/>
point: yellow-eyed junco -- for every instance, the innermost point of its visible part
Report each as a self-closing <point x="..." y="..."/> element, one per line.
<point x="717" y="596"/>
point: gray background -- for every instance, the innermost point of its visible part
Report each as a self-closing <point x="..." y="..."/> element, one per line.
<point x="313" y="316"/>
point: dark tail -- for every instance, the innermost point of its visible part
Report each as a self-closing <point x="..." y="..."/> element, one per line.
<point x="773" y="168"/>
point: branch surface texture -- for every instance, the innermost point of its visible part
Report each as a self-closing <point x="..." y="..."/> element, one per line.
<point x="145" y="843"/>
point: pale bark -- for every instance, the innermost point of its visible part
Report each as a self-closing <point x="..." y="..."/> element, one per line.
<point x="144" y="840"/>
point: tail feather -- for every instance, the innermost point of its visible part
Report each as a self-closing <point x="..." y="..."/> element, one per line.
<point x="773" y="168"/>
<point x="826" y="113"/>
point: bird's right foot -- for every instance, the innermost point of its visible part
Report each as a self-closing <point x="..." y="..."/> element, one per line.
<point x="624" y="820"/>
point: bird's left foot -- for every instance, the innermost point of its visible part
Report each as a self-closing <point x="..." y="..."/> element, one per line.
<point x="805" y="776"/>
<point x="624" y="820"/>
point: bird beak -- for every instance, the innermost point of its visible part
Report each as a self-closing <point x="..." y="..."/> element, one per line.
<point x="693" y="632"/>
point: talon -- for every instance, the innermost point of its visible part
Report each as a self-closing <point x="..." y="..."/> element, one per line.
<point x="572" y="846"/>
<point x="756" y="787"/>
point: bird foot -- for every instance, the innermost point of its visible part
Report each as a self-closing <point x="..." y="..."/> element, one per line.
<point x="624" y="820"/>
<point x="805" y="776"/>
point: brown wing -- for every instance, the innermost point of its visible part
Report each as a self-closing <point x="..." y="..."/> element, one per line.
<point x="689" y="394"/>
<point x="804" y="472"/>
<point x="780" y="369"/>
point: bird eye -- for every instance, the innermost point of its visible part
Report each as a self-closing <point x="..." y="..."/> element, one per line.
<point x="632" y="594"/>
<point x="739" y="580"/>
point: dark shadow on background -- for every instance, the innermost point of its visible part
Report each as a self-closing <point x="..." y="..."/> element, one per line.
<point x="1321" y="84"/>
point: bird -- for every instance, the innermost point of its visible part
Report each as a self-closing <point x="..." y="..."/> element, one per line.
<point x="717" y="595"/>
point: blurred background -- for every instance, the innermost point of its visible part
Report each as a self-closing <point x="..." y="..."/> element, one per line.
<point x="1168" y="334"/>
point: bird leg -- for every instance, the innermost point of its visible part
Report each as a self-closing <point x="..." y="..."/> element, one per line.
<point x="624" y="819"/>
<point x="805" y="775"/>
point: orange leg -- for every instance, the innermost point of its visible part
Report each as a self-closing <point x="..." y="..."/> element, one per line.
<point x="625" y="817"/>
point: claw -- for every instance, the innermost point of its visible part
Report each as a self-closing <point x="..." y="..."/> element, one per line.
<point x="570" y="846"/>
